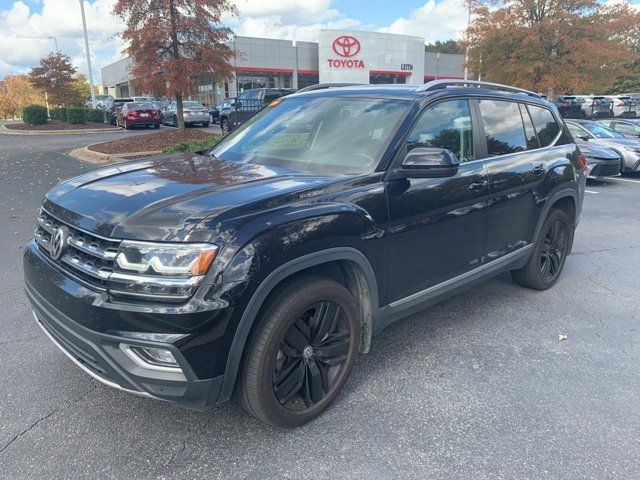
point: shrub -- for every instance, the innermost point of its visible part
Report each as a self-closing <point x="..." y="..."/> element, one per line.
<point x="34" y="115"/>
<point x="193" y="145"/>
<point x="95" y="115"/>
<point x="59" y="113"/>
<point x="76" y="115"/>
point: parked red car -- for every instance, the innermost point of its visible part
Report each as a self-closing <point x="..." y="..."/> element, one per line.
<point x="142" y="114"/>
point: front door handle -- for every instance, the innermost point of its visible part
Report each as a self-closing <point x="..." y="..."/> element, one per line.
<point x="478" y="185"/>
<point x="538" y="169"/>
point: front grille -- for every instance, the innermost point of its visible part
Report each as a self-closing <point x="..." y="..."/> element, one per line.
<point x="87" y="257"/>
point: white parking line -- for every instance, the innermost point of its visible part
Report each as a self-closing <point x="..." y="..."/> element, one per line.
<point x="623" y="180"/>
<point x="592" y="191"/>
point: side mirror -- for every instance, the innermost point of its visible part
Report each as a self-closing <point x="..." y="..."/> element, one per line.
<point x="584" y="138"/>
<point x="427" y="163"/>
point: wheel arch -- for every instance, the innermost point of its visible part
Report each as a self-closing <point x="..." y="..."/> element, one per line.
<point x="358" y="278"/>
<point x="565" y="199"/>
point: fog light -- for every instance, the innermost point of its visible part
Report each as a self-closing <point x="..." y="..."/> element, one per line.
<point x="153" y="358"/>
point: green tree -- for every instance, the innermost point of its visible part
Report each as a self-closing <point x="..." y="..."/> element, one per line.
<point x="80" y="92"/>
<point x="448" y="46"/>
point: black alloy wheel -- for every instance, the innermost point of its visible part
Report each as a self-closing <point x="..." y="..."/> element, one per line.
<point x="549" y="253"/>
<point x="301" y="353"/>
<point x="553" y="251"/>
<point x="311" y="356"/>
<point x="224" y="126"/>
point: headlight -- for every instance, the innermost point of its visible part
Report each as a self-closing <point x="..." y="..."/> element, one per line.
<point x="632" y="149"/>
<point x="163" y="271"/>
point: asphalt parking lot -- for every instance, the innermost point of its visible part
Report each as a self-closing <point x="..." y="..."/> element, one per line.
<point x="480" y="386"/>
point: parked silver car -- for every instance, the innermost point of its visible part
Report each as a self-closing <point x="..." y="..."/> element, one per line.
<point x="628" y="127"/>
<point x="594" y="133"/>
<point x="601" y="161"/>
<point x="194" y="112"/>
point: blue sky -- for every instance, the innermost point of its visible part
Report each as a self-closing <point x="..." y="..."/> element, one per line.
<point x="26" y="25"/>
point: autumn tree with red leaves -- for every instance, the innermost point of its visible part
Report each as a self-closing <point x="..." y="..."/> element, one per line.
<point x="55" y="75"/>
<point x="171" y="42"/>
<point x="552" y="46"/>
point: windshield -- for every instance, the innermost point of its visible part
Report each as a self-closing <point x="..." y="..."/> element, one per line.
<point x="319" y="135"/>
<point x="601" y="131"/>
<point x="192" y="105"/>
<point x="139" y="106"/>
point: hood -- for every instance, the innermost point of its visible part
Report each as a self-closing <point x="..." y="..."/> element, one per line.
<point x="598" y="152"/>
<point x="616" y="142"/>
<point x="163" y="198"/>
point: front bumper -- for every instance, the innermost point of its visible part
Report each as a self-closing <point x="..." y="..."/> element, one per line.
<point x="94" y="333"/>
<point x="101" y="357"/>
<point x="603" y="168"/>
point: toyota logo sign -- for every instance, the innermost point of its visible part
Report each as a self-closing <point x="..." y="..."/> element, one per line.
<point x="346" y="46"/>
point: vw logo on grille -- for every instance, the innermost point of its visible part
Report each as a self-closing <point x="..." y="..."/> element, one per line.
<point x="346" y="46"/>
<point x="59" y="242"/>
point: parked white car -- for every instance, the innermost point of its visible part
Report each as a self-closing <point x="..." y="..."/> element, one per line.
<point x="623" y="106"/>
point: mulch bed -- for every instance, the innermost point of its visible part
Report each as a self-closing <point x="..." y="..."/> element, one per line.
<point x="57" y="125"/>
<point x="149" y="142"/>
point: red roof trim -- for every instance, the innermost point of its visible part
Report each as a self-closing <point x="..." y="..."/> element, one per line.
<point x="309" y="72"/>
<point x="400" y="73"/>
<point x="433" y="77"/>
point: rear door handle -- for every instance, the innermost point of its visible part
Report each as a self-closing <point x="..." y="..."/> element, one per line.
<point x="478" y="185"/>
<point x="538" y="169"/>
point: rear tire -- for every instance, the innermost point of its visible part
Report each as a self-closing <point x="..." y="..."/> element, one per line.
<point x="205" y="124"/>
<point x="300" y="353"/>
<point x="156" y="126"/>
<point x="224" y="126"/>
<point x="549" y="253"/>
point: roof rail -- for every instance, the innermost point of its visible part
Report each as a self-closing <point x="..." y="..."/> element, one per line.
<point x="438" y="84"/>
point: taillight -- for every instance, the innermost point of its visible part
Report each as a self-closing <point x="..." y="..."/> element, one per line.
<point x="583" y="163"/>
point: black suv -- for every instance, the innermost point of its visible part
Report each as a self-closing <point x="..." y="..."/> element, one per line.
<point x="235" y="111"/>
<point x="265" y="266"/>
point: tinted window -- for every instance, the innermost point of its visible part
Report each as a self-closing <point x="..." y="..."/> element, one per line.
<point x="532" y="140"/>
<point x="545" y="125"/>
<point x="445" y="125"/>
<point x="503" y="127"/>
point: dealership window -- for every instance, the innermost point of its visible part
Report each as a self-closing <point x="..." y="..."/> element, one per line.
<point x="378" y="78"/>
<point x="306" y="80"/>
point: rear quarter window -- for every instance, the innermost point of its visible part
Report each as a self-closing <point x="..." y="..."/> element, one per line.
<point x="545" y="124"/>
<point x="503" y="127"/>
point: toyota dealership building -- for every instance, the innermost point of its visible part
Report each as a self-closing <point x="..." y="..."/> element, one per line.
<point x="338" y="56"/>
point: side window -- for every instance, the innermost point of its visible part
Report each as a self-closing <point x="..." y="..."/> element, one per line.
<point x="445" y="125"/>
<point x="529" y="132"/>
<point x="503" y="127"/>
<point x="627" y="129"/>
<point x="545" y="124"/>
<point x="576" y="131"/>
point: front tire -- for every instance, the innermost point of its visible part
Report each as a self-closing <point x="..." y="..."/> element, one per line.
<point x="301" y="353"/>
<point x="549" y="253"/>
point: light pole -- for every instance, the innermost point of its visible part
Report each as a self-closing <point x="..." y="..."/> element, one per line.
<point x="55" y="42"/>
<point x="86" y="47"/>
<point x="437" y="65"/>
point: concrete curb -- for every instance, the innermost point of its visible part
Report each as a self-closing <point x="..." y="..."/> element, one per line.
<point x="90" y="156"/>
<point x="7" y="131"/>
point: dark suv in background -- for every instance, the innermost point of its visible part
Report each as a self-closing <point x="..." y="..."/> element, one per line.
<point x="235" y="111"/>
<point x="264" y="267"/>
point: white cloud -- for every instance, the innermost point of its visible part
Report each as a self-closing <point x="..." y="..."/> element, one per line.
<point x="434" y="21"/>
<point x="24" y="33"/>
